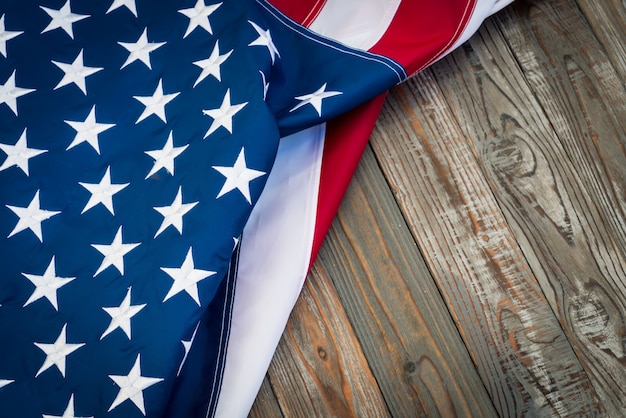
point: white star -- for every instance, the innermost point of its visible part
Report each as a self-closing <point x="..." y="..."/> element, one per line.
<point x="5" y="382"/>
<point x="173" y="214"/>
<point x="75" y="73"/>
<point x="47" y="285"/>
<point x="315" y="99"/>
<point x="164" y="158"/>
<point x="130" y="5"/>
<point x="238" y="177"/>
<point x="187" y="347"/>
<point x="211" y="65"/>
<point x="155" y="104"/>
<point x="199" y="16"/>
<point x="132" y="386"/>
<point x="186" y="278"/>
<point x="6" y="35"/>
<point x="141" y="49"/>
<point x="19" y="154"/>
<point x="223" y="115"/>
<point x="121" y="315"/>
<point x="88" y="130"/>
<point x="102" y="192"/>
<point x="69" y="411"/>
<point x="31" y="217"/>
<point x="264" y="39"/>
<point x="57" y="352"/>
<point x="62" y="18"/>
<point x="9" y="93"/>
<point x="114" y="253"/>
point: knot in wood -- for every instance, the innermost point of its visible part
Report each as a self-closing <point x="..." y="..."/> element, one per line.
<point x="510" y="156"/>
<point x="322" y="353"/>
<point x="409" y="367"/>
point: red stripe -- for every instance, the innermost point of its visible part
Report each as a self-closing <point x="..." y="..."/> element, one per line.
<point x="423" y="30"/>
<point x="346" y="138"/>
<point x="302" y="11"/>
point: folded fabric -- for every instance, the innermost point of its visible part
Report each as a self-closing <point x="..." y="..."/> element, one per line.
<point x="137" y="137"/>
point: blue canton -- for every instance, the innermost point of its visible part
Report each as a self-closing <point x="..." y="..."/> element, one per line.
<point x="135" y="137"/>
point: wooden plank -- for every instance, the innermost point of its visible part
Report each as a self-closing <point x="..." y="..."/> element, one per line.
<point x="514" y="338"/>
<point x="582" y="94"/>
<point x="318" y="368"/>
<point x="557" y="165"/>
<point x="265" y="404"/>
<point x="607" y="18"/>
<point x="405" y="330"/>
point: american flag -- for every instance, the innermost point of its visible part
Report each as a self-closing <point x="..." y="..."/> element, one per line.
<point x="135" y="138"/>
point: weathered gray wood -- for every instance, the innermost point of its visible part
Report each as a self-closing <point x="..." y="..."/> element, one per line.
<point x="607" y="18"/>
<point x="265" y="404"/>
<point x="514" y="338"/>
<point x="406" y="333"/>
<point x="582" y="96"/>
<point x="319" y="369"/>
<point x="558" y="167"/>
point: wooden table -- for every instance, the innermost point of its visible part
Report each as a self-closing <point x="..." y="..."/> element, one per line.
<point x="477" y="266"/>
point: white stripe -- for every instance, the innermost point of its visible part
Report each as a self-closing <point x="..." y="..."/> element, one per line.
<point x="358" y="23"/>
<point x="275" y="252"/>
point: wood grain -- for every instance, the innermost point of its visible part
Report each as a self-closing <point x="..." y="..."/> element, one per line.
<point x="514" y="338"/>
<point x="553" y="152"/>
<point x="607" y="19"/>
<point x="319" y="369"/>
<point x="405" y="330"/>
<point x="582" y="95"/>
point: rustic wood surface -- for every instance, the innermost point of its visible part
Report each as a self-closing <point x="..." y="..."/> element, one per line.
<point x="477" y="266"/>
